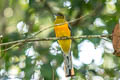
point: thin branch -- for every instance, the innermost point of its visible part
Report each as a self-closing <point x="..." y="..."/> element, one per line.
<point x="43" y="29"/>
<point x="54" y="38"/>
<point x="106" y="39"/>
<point x="11" y="47"/>
<point x="29" y="39"/>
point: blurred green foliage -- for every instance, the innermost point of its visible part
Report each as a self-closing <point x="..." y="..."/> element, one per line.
<point x="38" y="14"/>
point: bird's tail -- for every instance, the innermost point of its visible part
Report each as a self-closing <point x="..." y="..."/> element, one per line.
<point x="68" y="67"/>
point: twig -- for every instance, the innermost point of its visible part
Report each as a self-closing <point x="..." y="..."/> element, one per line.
<point x="106" y="39"/>
<point x="11" y="47"/>
<point x="54" y="38"/>
<point x="43" y="29"/>
<point x="78" y="18"/>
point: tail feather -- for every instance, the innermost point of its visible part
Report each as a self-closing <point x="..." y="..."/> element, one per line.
<point x="68" y="67"/>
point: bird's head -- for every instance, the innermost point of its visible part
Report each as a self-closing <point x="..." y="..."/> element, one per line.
<point x="60" y="16"/>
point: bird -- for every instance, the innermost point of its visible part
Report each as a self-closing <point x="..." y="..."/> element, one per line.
<point x="62" y="29"/>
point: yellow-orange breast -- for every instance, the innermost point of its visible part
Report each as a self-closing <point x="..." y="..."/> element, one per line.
<point x="62" y="31"/>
